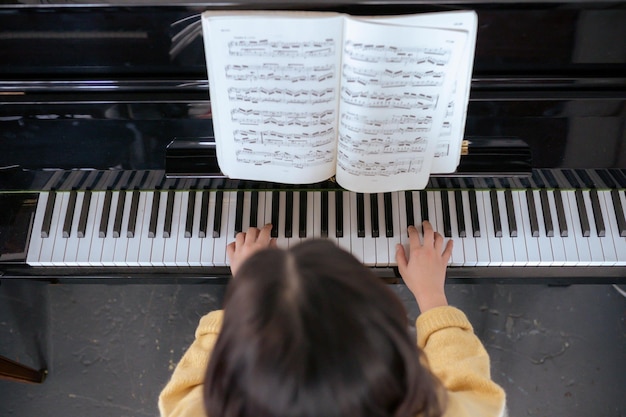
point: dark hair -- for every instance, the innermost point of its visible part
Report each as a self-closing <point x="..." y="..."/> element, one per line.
<point x="311" y="332"/>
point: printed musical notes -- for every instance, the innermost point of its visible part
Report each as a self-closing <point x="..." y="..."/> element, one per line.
<point x="248" y="117"/>
<point x="393" y="54"/>
<point x="273" y="72"/>
<point x="270" y="48"/>
<point x="281" y="95"/>
<point x="285" y="159"/>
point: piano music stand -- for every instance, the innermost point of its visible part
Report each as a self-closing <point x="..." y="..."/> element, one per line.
<point x="15" y="371"/>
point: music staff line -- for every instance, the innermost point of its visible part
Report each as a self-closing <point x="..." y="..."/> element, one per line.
<point x="281" y="95"/>
<point x="393" y="54"/>
<point x="274" y="72"/>
<point x="392" y="79"/>
<point x="278" y="49"/>
<point x="381" y="148"/>
<point x="388" y="126"/>
<point x="282" y="158"/>
<point x="400" y="101"/>
<point x="250" y="117"/>
<point x="377" y="168"/>
<point x="274" y="138"/>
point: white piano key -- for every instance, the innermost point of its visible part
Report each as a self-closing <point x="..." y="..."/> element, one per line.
<point x="397" y="210"/>
<point x="544" y="242"/>
<point x="281" y="240"/>
<point x="495" y="248"/>
<point x="345" y="241"/>
<point x="519" y="242"/>
<point x="158" y="241"/>
<point x="332" y="220"/>
<point x="145" y="245"/>
<point x="435" y="211"/>
<point x="108" y="242"/>
<point x="470" y="251"/>
<point x="382" y="242"/>
<point x="607" y="244"/>
<point x="58" y="251"/>
<point x="582" y="243"/>
<point x="171" y="243"/>
<point x="121" y="243"/>
<point x="73" y="241"/>
<point x="595" y="244"/>
<point x="458" y="257"/>
<point x="229" y="208"/>
<point x="198" y="245"/>
<point x="295" y="224"/>
<point x="402" y="220"/>
<point x="506" y="241"/>
<point x="356" y="243"/>
<point x="532" y="245"/>
<point x="36" y="241"/>
<point x="368" y="242"/>
<point x="265" y="209"/>
<point x="570" y="245"/>
<point x="134" y="243"/>
<point x="619" y="242"/>
<point x="182" y="243"/>
<point x="245" y="223"/>
<point x="315" y="214"/>
<point x="559" y="256"/>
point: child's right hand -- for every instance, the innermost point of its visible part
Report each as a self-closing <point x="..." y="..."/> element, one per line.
<point x="425" y="270"/>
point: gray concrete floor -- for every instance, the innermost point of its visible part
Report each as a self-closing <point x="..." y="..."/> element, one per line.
<point x="109" y="349"/>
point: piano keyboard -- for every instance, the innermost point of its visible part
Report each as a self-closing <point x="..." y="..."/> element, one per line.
<point x="497" y="227"/>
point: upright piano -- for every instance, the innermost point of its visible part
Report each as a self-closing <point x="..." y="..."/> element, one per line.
<point x="107" y="168"/>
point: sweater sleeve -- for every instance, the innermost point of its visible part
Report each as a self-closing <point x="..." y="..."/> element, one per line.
<point x="183" y="394"/>
<point x="458" y="358"/>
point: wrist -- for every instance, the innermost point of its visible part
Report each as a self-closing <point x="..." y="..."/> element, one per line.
<point x="432" y="301"/>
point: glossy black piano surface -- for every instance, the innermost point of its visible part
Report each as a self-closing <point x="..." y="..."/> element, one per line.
<point x="104" y="89"/>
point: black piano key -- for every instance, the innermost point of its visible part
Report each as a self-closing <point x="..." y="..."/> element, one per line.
<point x="169" y="213"/>
<point x="239" y="212"/>
<point x="547" y="214"/>
<point x="606" y="178"/>
<point x="560" y="213"/>
<point x="532" y="213"/>
<point x="445" y="209"/>
<point x="597" y="213"/>
<point x="154" y="213"/>
<point x="582" y="213"/>
<point x="302" y="215"/>
<point x="571" y="178"/>
<point x="460" y="214"/>
<point x="374" y="215"/>
<point x="338" y="213"/>
<point x="410" y="218"/>
<point x="388" y="215"/>
<point x="106" y="209"/>
<point x="84" y="213"/>
<point x="275" y="213"/>
<point x="360" y="215"/>
<point x="191" y="207"/>
<point x="204" y="216"/>
<point x="132" y="218"/>
<point x="289" y="214"/>
<point x="510" y="212"/>
<point x="217" y="219"/>
<point x="474" y="213"/>
<point x="619" y="212"/>
<point x="620" y="178"/>
<point x="254" y="208"/>
<point x="324" y="214"/>
<point x="424" y="205"/>
<point x="119" y="212"/>
<point x="47" y="217"/>
<point x="69" y="214"/>
<point x="495" y="213"/>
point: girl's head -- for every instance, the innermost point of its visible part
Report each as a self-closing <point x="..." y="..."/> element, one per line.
<point x="310" y="332"/>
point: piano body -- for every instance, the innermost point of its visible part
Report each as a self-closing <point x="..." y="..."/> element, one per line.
<point x="92" y="188"/>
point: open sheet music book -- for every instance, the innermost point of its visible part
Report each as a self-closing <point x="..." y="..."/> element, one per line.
<point x="378" y="102"/>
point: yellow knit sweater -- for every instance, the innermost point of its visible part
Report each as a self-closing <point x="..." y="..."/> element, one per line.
<point x="454" y="353"/>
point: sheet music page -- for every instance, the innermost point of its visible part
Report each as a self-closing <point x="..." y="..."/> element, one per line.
<point x="396" y="86"/>
<point x="274" y="85"/>
<point x="448" y="150"/>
